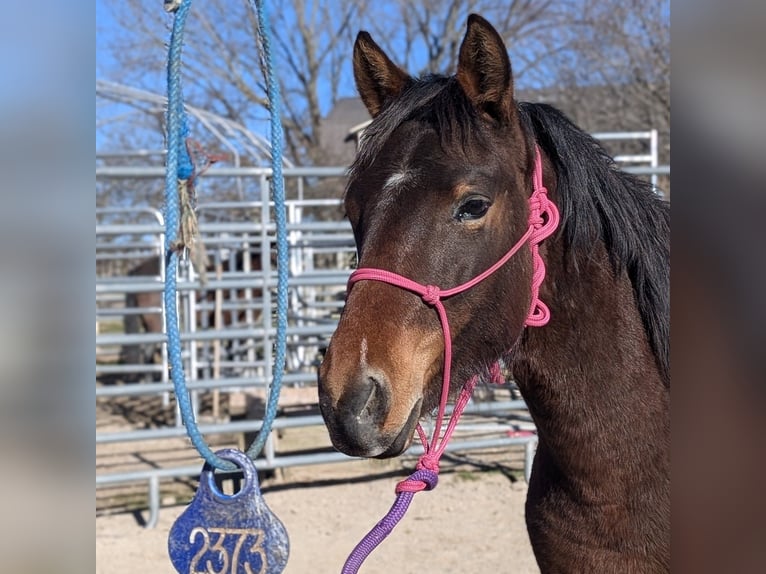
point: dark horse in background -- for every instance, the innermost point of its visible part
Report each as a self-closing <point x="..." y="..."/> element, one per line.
<point x="152" y="322"/>
<point x="144" y="322"/>
<point x="438" y="193"/>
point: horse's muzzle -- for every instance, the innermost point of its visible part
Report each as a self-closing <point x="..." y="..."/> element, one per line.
<point x="356" y="420"/>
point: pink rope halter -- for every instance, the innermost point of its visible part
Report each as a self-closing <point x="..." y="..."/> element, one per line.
<point x="543" y="220"/>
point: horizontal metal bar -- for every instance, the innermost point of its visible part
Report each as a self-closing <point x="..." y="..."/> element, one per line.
<point x="251" y="280"/>
<point x="215" y="334"/>
<point x="131" y="153"/>
<point x="127" y="311"/>
<point x="302" y="460"/>
<point x="126" y="250"/>
<point x="647" y="170"/>
<point x="633" y="159"/>
<point x="113" y="171"/>
<point x="231" y="383"/>
<point x="255" y="228"/>
<point x="622" y="135"/>
<point x="208" y="429"/>
<point x="260" y="464"/>
<point x="122" y="369"/>
<point x="235" y="205"/>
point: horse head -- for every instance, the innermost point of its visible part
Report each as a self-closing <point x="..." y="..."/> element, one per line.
<point x="437" y="194"/>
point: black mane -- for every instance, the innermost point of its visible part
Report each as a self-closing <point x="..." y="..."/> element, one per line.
<point x="596" y="199"/>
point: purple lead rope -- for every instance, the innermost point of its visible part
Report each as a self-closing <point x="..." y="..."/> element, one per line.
<point x="383" y="528"/>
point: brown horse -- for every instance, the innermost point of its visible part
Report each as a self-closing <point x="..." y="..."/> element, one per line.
<point x="143" y="322"/>
<point x="437" y="194"/>
<point x="151" y="322"/>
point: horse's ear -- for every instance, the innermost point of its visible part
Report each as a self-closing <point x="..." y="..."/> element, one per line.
<point x="484" y="70"/>
<point x="378" y="79"/>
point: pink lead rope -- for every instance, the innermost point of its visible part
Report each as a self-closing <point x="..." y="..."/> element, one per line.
<point x="543" y="220"/>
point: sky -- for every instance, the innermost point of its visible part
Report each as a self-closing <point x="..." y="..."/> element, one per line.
<point x="104" y="23"/>
<point x="106" y="68"/>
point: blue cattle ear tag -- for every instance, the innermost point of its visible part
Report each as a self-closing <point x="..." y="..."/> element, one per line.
<point x="228" y="534"/>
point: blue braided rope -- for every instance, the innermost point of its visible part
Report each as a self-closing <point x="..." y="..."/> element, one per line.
<point x="280" y="218"/>
<point x="179" y="167"/>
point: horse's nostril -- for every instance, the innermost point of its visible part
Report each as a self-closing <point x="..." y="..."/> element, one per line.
<point x="372" y="397"/>
<point x="369" y="401"/>
<point x="379" y="399"/>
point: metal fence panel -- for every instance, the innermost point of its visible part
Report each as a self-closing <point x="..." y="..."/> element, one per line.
<point x="227" y="317"/>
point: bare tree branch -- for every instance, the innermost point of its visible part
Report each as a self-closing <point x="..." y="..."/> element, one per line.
<point x="605" y="61"/>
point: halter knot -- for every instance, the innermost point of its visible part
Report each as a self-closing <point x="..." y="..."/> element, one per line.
<point x="536" y="209"/>
<point x="421" y="479"/>
<point x="431" y="295"/>
<point x="429" y="461"/>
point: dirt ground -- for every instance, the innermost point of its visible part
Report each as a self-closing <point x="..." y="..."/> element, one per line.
<point x="472" y="522"/>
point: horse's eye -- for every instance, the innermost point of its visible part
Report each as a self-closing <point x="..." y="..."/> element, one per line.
<point x="473" y="208"/>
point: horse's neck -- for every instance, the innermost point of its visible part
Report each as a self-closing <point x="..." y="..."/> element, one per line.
<point x="589" y="376"/>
